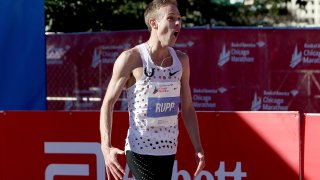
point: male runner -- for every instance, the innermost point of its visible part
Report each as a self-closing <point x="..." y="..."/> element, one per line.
<point x="156" y="78"/>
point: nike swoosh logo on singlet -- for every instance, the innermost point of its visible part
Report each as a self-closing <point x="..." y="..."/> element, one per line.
<point x="173" y="73"/>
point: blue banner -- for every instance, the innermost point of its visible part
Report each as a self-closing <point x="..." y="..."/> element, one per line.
<point x="22" y="55"/>
<point x="162" y="107"/>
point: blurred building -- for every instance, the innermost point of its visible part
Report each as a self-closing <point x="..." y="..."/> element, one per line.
<point x="306" y="15"/>
<point x="305" y="12"/>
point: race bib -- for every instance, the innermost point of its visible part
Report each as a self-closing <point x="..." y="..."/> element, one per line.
<point x="163" y="104"/>
<point x="163" y="107"/>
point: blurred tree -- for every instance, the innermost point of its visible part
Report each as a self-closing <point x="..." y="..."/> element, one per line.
<point x="93" y="15"/>
<point x="223" y="13"/>
<point x="104" y="15"/>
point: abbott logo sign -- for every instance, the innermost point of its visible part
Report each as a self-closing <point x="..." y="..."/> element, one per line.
<point x="74" y="169"/>
<point x="93" y="148"/>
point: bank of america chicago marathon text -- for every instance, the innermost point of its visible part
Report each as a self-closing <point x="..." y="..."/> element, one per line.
<point x="273" y="100"/>
<point x="200" y="101"/>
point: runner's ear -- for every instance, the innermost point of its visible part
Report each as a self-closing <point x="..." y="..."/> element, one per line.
<point x="153" y="23"/>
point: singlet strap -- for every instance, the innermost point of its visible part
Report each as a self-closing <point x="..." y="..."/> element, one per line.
<point x="173" y="54"/>
<point x="143" y="53"/>
<point x="176" y="62"/>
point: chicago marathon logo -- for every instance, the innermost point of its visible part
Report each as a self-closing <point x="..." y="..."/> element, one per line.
<point x="224" y="56"/>
<point x="273" y="100"/>
<point x="239" y="52"/>
<point x="308" y="55"/>
<point x="296" y="57"/>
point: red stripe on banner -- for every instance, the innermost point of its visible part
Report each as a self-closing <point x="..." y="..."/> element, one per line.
<point x="251" y="145"/>
<point x="238" y="145"/>
<point x="311" y="146"/>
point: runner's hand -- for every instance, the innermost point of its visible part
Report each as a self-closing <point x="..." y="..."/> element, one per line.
<point x="201" y="162"/>
<point x="112" y="164"/>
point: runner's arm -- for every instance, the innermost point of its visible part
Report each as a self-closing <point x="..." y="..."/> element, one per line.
<point x="189" y="115"/>
<point x="120" y="75"/>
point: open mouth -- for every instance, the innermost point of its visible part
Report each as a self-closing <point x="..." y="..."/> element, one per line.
<point x="176" y="33"/>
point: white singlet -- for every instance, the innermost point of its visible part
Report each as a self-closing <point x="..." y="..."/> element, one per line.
<point x="153" y="105"/>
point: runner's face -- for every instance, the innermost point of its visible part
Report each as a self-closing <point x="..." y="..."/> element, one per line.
<point x="169" y="25"/>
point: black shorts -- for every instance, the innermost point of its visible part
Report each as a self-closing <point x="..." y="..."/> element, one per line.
<point x="148" y="167"/>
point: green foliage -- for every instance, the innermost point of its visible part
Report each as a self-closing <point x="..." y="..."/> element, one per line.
<point x="105" y="15"/>
<point x="93" y="15"/>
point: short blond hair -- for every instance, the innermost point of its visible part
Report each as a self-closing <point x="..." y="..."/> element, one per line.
<point x="153" y="7"/>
